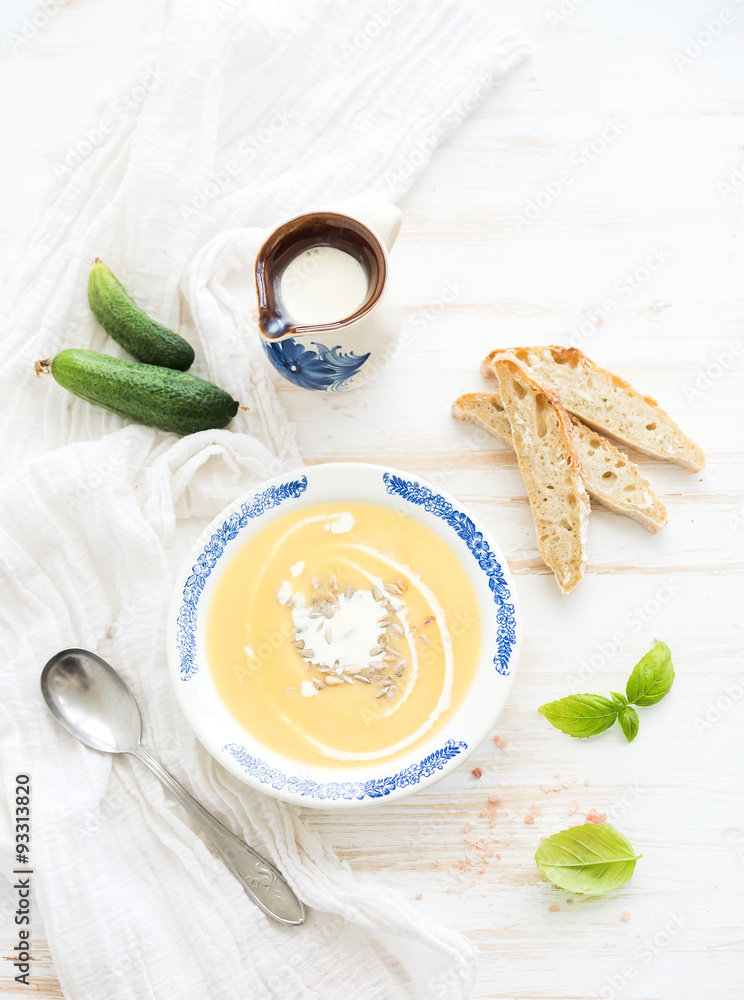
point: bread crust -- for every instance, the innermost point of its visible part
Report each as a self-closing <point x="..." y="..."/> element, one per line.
<point x="658" y="436"/>
<point x="562" y="540"/>
<point x="486" y="410"/>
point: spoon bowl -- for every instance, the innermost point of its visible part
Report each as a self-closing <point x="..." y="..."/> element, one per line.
<point x="91" y="701"/>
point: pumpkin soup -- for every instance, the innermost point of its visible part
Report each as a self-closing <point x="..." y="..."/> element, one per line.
<point x="343" y="633"/>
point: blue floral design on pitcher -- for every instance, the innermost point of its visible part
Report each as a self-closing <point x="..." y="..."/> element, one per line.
<point x="326" y="370"/>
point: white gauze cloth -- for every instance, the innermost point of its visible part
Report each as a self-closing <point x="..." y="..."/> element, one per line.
<point x="253" y="110"/>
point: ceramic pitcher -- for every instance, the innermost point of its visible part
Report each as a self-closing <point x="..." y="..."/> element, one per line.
<point x="331" y="269"/>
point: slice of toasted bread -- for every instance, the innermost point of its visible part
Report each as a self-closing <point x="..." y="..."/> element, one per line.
<point x="542" y="437"/>
<point x="607" y="403"/>
<point x="609" y="476"/>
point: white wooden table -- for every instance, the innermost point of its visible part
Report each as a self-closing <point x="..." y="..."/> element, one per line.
<point x="635" y="253"/>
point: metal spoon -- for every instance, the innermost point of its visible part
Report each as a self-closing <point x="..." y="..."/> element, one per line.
<point x="87" y="696"/>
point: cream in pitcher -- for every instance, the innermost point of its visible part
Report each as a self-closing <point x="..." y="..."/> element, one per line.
<point x="327" y="315"/>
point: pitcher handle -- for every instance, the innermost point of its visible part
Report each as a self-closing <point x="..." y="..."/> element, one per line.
<point x="382" y="217"/>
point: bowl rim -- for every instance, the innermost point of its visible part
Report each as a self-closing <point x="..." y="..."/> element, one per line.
<point x="263" y="768"/>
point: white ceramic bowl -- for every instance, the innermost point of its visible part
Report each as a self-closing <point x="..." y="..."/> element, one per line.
<point x="359" y="785"/>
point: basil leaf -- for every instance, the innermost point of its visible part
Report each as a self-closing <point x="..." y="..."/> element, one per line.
<point x="618" y="700"/>
<point x="580" y="715"/>
<point x="591" y="859"/>
<point x="652" y="676"/>
<point x="629" y="722"/>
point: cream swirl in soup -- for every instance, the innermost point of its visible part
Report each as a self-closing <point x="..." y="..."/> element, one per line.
<point x="343" y="633"/>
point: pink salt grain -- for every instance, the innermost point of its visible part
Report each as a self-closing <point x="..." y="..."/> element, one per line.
<point x="573" y="806"/>
<point x="467" y="828"/>
<point x="625" y="915"/>
<point x="595" y="817"/>
<point x="492" y="816"/>
<point x="477" y="772"/>
<point x="529" y="818"/>
<point x="419" y="895"/>
<point x="500" y="741"/>
<point x="554" y="908"/>
<point x="495" y="797"/>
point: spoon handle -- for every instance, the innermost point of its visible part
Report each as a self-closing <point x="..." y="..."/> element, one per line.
<point x="260" y="879"/>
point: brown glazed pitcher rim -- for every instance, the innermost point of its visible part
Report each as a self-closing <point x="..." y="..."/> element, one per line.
<point x="267" y="285"/>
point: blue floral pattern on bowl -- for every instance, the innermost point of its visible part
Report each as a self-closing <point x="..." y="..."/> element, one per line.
<point x="264" y="773"/>
<point x="326" y="369"/>
<point x="434" y="503"/>
<point x="358" y="790"/>
<point x="192" y="589"/>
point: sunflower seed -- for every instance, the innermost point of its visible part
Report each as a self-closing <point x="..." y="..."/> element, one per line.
<point x="400" y="584"/>
<point x="332" y="679"/>
<point x="299" y="643"/>
<point x="401" y="669"/>
<point x="315" y="582"/>
<point x="333" y="583"/>
<point x="328" y="636"/>
<point x="375" y="651"/>
<point x="307" y="654"/>
<point x="352" y="668"/>
<point x="330" y="613"/>
<point x="390" y="657"/>
<point x="425" y="638"/>
<point x="362" y="678"/>
<point x="384" y="622"/>
<point x="398" y="628"/>
<point x="392" y="589"/>
<point x="429" y="620"/>
<point x="391" y="692"/>
<point x="349" y="593"/>
<point x="377" y="594"/>
<point x="318" y="685"/>
<point x="381" y="693"/>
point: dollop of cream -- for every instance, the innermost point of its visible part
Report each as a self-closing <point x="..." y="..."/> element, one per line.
<point x="354" y="630"/>
<point x="341" y="524"/>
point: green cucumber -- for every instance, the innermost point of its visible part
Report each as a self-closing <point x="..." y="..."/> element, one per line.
<point x="158" y="397"/>
<point x="122" y="319"/>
